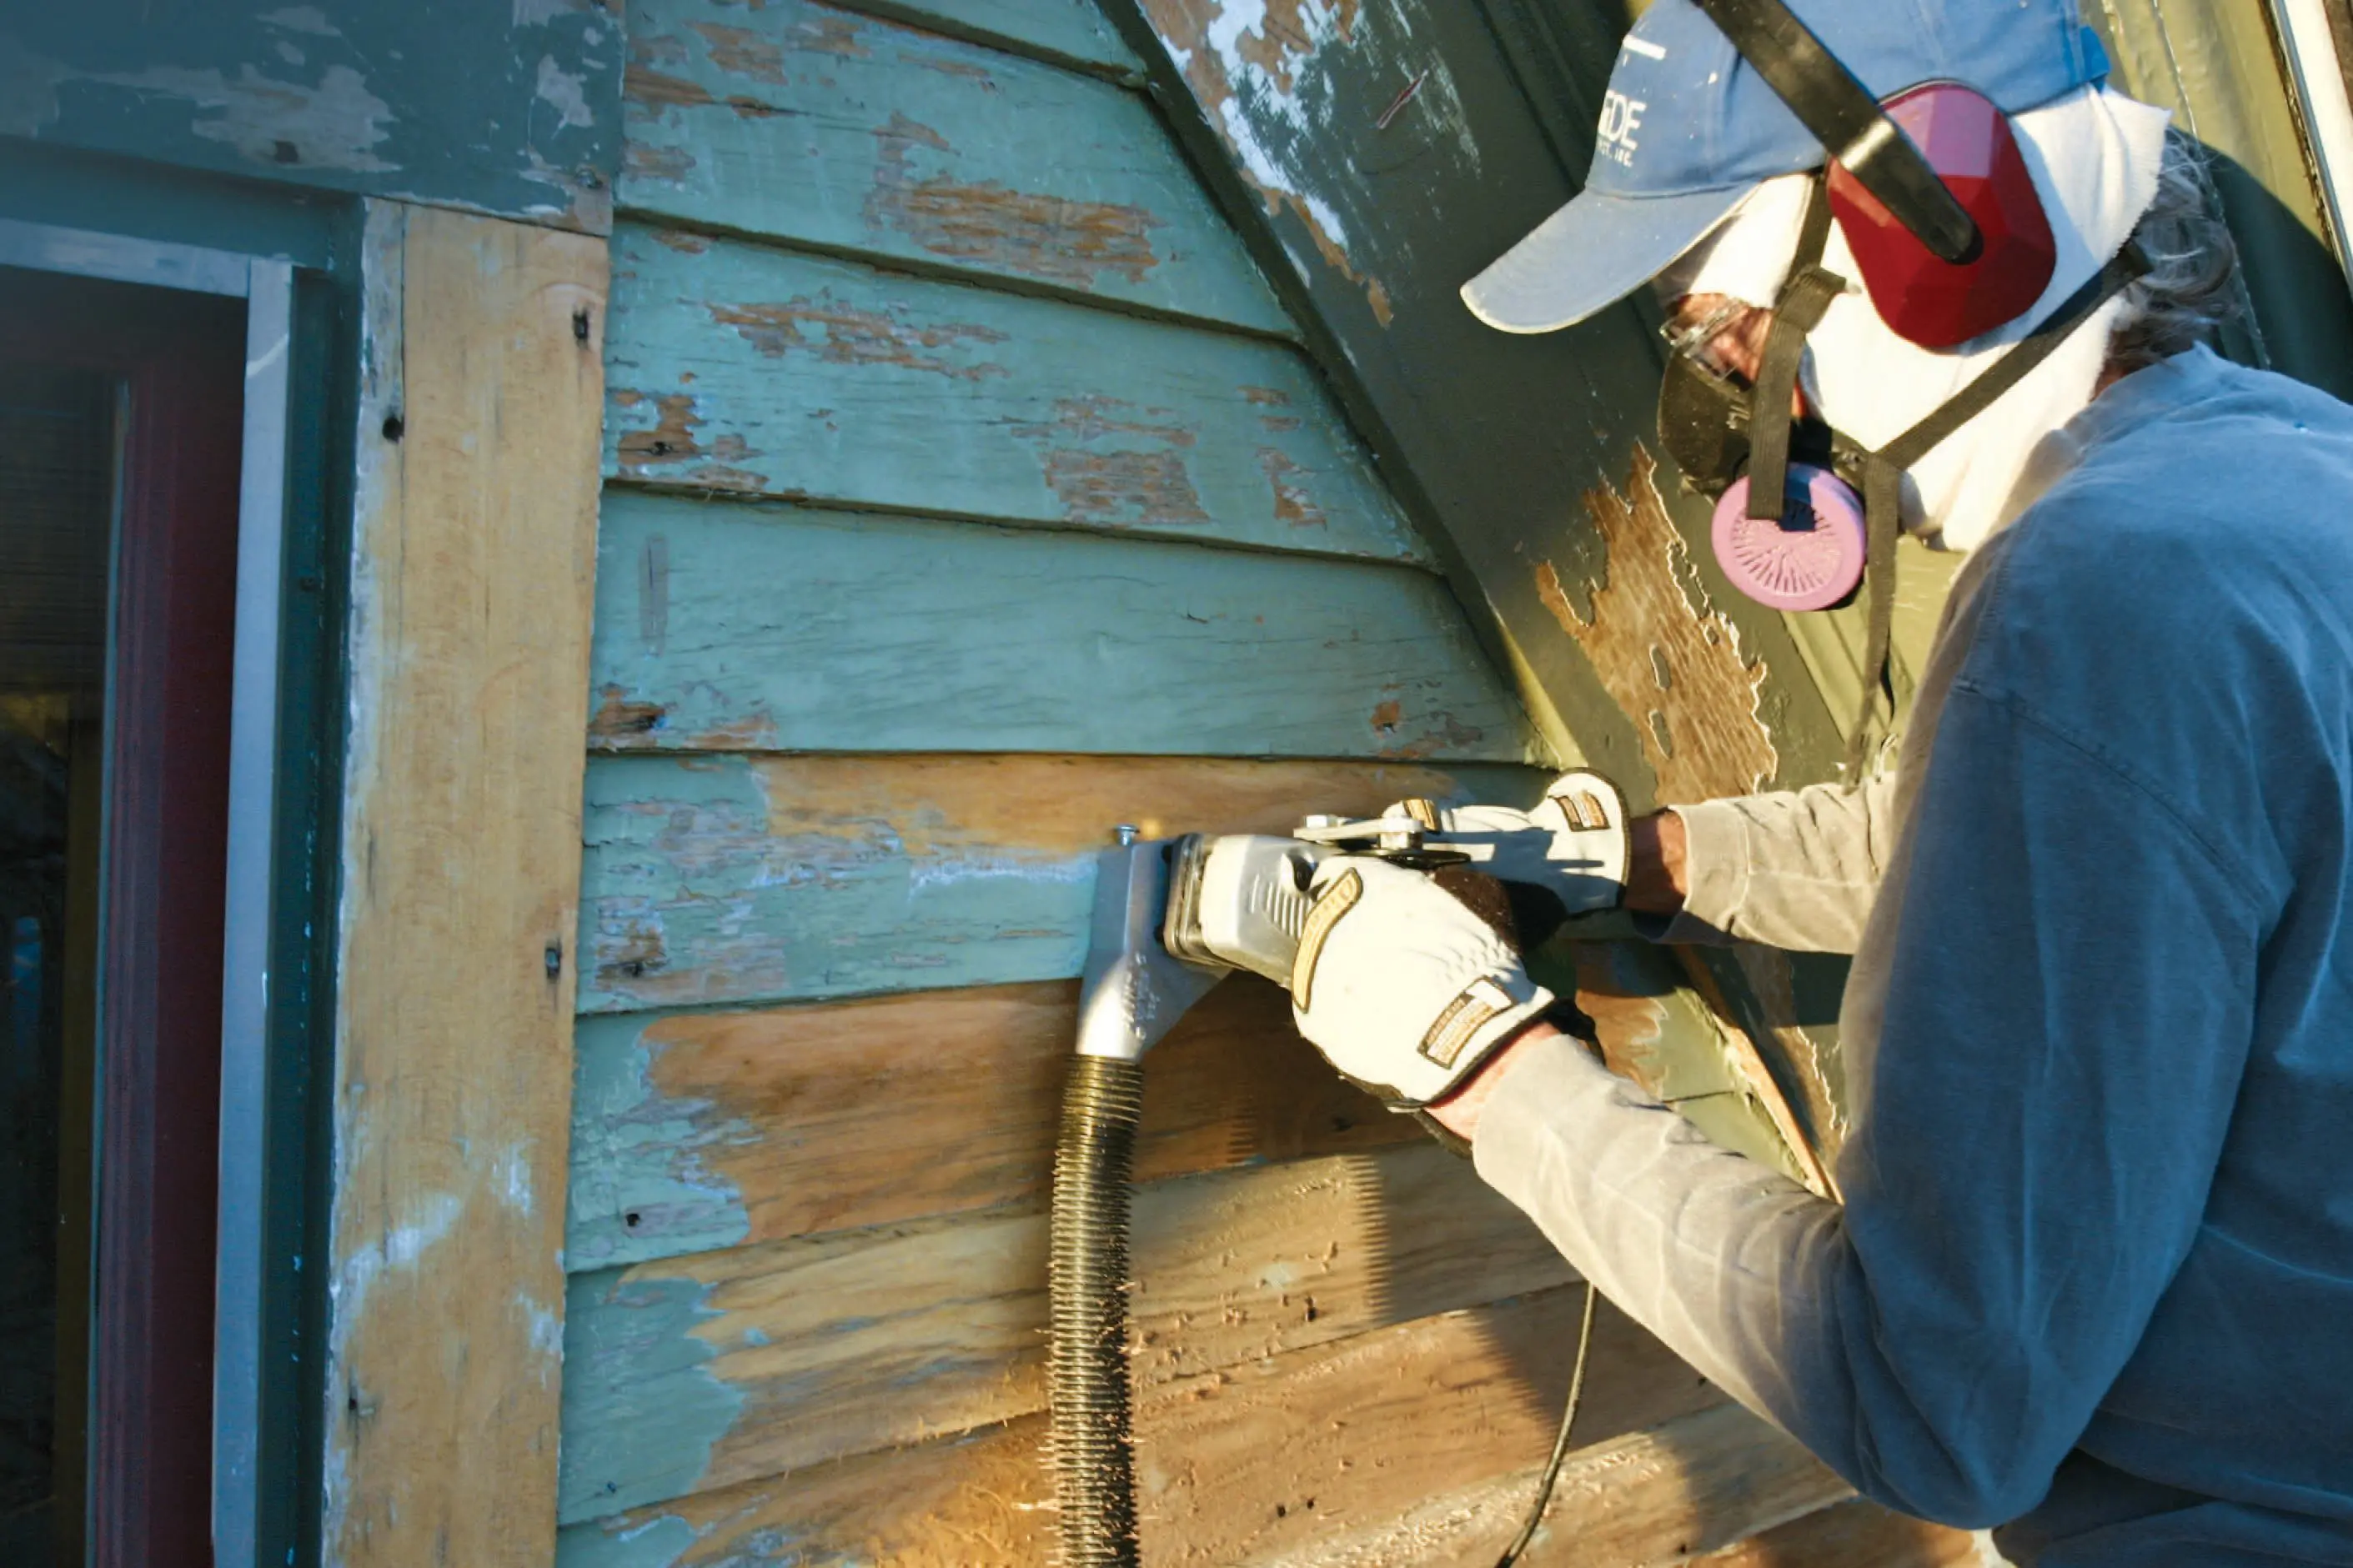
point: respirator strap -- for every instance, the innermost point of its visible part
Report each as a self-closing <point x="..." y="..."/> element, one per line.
<point x="1883" y="473"/>
<point x="1798" y="310"/>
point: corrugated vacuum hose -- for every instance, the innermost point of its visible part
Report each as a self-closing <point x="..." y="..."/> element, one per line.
<point x="1093" y="1442"/>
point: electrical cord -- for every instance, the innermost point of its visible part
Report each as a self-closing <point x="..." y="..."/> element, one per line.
<point x="1560" y="1444"/>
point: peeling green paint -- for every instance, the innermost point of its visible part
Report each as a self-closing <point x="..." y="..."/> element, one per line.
<point x="507" y="109"/>
<point x="640" y="1187"/>
<point x="668" y="1405"/>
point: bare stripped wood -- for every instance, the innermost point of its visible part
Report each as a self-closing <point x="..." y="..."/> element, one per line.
<point x="735" y="879"/>
<point x="742" y="368"/>
<point x="1073" y="32"/>
<point x="700" y="1131"/>
<point x="1683" y="1489"/>
<point x="1857" y="1534"/>
<point x="696" y="1131"/>
<point x="689" y="1375"/>
<point x="1252" y="1464"/>
<point x="471" y="571"/>
<point x="820" y="125"/>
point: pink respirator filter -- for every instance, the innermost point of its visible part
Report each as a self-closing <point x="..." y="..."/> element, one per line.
<point x="1810" y="560"/>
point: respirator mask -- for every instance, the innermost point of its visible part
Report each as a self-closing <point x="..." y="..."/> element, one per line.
<point x="1805" y="514"/>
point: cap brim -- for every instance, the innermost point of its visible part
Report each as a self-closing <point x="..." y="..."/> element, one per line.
<point x="1591" y="254"/>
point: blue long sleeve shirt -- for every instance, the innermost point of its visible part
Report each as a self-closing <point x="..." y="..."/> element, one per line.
<point x="2093" y="1278"/>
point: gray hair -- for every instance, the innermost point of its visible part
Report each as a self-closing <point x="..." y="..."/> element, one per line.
<point x="2192" y="286"/>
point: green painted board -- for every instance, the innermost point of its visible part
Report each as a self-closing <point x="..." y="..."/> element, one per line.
<point x="735" y="628"/>
<point x="1073" y="32"/>
<point x="511" y="109"/>
<point x="737" y="367"/>
<point x="818" y="125"/>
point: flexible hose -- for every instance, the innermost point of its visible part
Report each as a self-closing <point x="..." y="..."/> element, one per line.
<point x="1546" y="1482"/>
<point x="1093" y="1447"/>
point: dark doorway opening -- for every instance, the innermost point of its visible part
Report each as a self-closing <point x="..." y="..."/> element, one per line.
<point x="120" y="421"/>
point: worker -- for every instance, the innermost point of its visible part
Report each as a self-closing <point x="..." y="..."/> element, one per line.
<point x="2091" y="1280"/>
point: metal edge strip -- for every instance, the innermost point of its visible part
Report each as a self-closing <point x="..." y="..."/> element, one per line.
<point x="246" y="924"/>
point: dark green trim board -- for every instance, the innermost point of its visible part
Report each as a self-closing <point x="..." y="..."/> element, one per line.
<point x="1376" y="164"/>
<point x="505" y="109"/>
<point x="312" y="683"/>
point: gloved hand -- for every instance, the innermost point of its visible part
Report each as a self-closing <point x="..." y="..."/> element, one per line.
<point x="1572" y="846"/>
<point x="1407" y="980"/>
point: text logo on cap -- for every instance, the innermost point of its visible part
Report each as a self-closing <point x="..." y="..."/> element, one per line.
<point x="1620" y="117"/>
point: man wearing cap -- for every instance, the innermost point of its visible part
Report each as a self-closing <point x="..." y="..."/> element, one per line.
<point x="2092" y="1279"/>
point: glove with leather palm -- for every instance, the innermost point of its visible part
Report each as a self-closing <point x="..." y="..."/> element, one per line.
<point x="1570" y="850"/>
<point x="1407" y="980"/>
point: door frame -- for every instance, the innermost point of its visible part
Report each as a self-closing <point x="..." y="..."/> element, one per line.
<point x="267" y="284"/>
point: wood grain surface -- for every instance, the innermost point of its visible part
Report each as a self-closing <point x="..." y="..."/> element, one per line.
<point x="727" y="880"/>
<point x="470" y="586"/>
<point x="1073" y="33"/>
<point x="828" y="128"/>
<point x="699" y="1373"/>
<point x="1255" y="1464"/>
<point x="730" y="627"/>
<point x="743" y="368"/>
<point x="694" y="1131"/>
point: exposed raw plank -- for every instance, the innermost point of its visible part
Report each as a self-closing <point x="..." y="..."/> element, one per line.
<point x="686" y="1376"/>
<point x="1255" y="1463"/>
<point x="742" y="368"/>
<point x="1073" y="32"/>
<point x="735" y="879"/>
<point x="820" y="125"/>
<point x="474" y="544"/>
<point x="1682" y="1488"/>
<point x="695" y="1131"/>
<point x="702" y="1130"/>
<point x="1858" y="1534"/>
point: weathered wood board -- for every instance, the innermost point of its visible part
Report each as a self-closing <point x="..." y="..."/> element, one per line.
<point x="1677" y="1492"/>
<point x="1252" y="1465"/>
<point x="728" y="879"/>
<point x="513" y="109"/>
<point x="475" y="541"/>
<point x="1859" y="1534"/>
<point x="820" y="126"/>
<point x="687" y="1375"/>
<point x="694" y="1131"/>
<point x="743" y="368"/>
<point x="1073" y="33"/>
<point x="732" y="627"/>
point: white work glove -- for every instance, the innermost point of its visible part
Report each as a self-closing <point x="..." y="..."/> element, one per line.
<point x="1572" y="845"/>
<point x="1407" y="980"/>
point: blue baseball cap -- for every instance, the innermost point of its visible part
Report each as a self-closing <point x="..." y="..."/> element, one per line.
<point x="1688" y="130"/>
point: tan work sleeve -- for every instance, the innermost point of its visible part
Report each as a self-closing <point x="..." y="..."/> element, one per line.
<point x="1796" y="869"/>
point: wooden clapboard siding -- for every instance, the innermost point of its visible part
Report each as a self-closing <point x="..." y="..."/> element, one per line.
<point x="698" y="1130"/>
<point x="698" y="1374"/>
<point x="814" y="124"/>
<point x="746" y="368"/>
<point x="1679" y="1490"/>
<point x="732" y="627"/>
<point x="1073" y="33"/>
<point x="1255" y="1464"/>
<point x="1858" y="1534"/>
<point x="727" y="880"/>
<point x="474" y="544"/>
<point x="694" y="1131"/>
